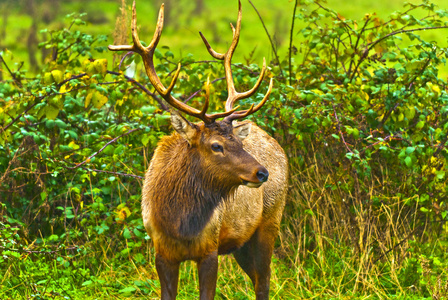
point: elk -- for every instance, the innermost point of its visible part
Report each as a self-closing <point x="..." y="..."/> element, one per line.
<point x="205" y="192"/>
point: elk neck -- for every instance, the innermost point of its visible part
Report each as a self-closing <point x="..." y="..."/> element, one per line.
<point x="185" y="192"/>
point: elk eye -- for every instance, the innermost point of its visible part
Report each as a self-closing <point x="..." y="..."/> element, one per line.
<point x="217" y="147"/>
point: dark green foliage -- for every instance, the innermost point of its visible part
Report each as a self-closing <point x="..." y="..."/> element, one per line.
<point x="365" y="124"/>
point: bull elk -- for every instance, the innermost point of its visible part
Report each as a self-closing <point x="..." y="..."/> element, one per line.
<point x="205" y="192"/>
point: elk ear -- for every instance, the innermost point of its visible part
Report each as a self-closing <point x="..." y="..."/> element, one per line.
<point x="182" y="126"/>
<point x="242" y="130"/>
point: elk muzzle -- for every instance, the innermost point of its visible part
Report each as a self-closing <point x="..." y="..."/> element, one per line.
<point x="259" y="176"/>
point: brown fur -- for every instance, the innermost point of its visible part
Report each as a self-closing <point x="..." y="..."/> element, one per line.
<point x="194" y="205"/>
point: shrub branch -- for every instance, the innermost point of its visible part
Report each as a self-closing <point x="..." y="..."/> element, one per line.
<point x="104" y="147"/>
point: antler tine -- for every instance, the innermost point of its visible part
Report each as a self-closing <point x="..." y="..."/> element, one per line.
<point x="147" y="54"/>
<point x="212" y="52"/>
<point x="238" y="96"/>
<point x="137" y="46"/>
<point x="233" y="95"/>
<point x="244" y="113"/>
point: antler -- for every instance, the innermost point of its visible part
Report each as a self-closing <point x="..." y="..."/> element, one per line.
<point x="233" y="95"/>
<point x="147" y="54"/>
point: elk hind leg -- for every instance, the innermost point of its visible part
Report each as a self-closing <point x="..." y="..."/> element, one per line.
<point x="255" y="259"/>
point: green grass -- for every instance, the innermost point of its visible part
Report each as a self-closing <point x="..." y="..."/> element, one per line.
<point x="183" y="38"/>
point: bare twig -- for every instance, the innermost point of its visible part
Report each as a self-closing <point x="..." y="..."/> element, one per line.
<point x="18" y="117"/>
<point x="270" y="39"/>
<point x="200" y="90"/>
<point x="389" y="137"/>
<point x="71" y="78"/>
<point x="11" y="162"/>
<point x="12" y="74"/>
<point x="101" y="150"/>
<point x="162" y="105"/>
<point x="356" y="45"/>
<point x="396" y="245"/>
<point x="38" y="251"/>
<point x="123" y="58"/>
<point x="290" y="41"/>
<point x="114" y="173"/>
<point x="371" y="45"/>
<point x="339" y="130"/>
<point x="441" y="146"/>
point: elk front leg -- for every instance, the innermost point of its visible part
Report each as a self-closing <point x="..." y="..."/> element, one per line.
<point x="168" y="275"/>
<point x="208" y="274"/>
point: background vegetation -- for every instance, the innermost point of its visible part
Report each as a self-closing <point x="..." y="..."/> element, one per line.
<point x="360" y="107"/>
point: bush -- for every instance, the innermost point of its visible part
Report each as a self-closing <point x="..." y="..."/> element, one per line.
<point x="365" y="126"/>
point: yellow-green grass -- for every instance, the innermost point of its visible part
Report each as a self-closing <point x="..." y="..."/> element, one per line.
<point x="183" y="37"/>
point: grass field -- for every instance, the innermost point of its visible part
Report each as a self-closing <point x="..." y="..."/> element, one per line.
<point x="182" y="37"/>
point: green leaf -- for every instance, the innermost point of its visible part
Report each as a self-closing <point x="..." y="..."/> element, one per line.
<point x="420" y="125"/>
<point x="49" y="124"/>
<point x="409" y="150"/>
<point x="127" y="290"/>
<point x="119" y="150"/>
<point x="87" y="283"/>
<point x="138" y="233"/>
<point x="408" y="161"/>
<point x="440" y="174"/>
<point x="145" y="139"/>
<point x="51" y="112"/>
<point x="98" y="99"/>
<point x="60" y="124"/>
<point x="43" y="196"/>
<point x="424" y="209"/>
<point x="126" y="233"/>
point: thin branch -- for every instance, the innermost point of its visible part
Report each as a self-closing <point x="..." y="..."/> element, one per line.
<point x="389" y="137"/>
<point x="37" y="251"/>
<point x="290" y="41"/>
<point x="371" y="45"/>
<point x="200" y="90"/>
<point x="12" y="74"/>
<point x="270" y="39"/>
<point x="123" y="58"/>
<point x="71" y="78"/>
<point x="18" y="117"/>
<point x="114" y="173"/>
<point x="339" y="130"/>
<point x="396" y="245"/>
<point x="356" y="45"/>
<point x="404" y="31"/>
<point x="162" y="105"/>
<point x="101" y="150"/>
<point x="440" y="147"/>
<point x="339" y="18"/>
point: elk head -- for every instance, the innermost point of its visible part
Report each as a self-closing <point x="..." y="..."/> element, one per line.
<point x="218" y="142"/>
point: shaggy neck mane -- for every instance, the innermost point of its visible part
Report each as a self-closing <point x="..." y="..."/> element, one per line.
<point x="184" y="195"/>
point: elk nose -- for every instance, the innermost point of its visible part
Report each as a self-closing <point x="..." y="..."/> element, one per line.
<point x="262" y="175"/>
